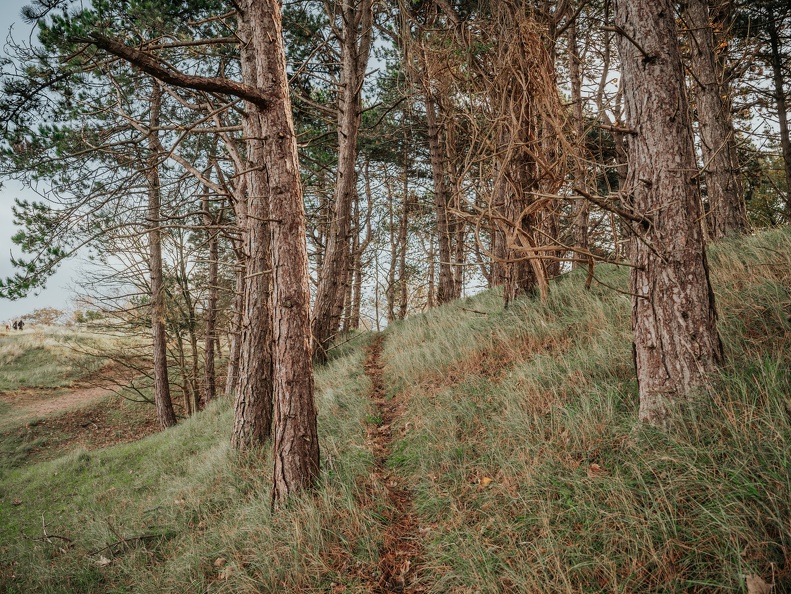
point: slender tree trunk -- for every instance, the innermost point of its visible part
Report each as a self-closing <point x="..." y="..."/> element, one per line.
<point x="358" y="254"/>
<point x="186" y="393"/>
<point x="164" y="405"/>
<point x="191" y="374"/>
<point x="499" y="275"/>
<point x="403" y="237"/>
<point x="235" y="343"/>
<point x="393" y="259"/>
<point x="581" y="213"/>
<point x="446" y="289"/>
<point x="431" y="291"/>
<point x="676" y="343"/>
<point x="209" y="380"/>
<point x="296" y="444"/>
<point x="727" y="210"/>
<point x="782" y="106"/>
<point x="355" y="46"/>
<point x="253" y="404"/>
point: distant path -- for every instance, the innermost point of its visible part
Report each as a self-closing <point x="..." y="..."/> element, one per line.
<point x="401" y="550"/>
<point x="40" y="402"/>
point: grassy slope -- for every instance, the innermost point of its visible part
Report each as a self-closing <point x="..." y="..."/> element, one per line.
<point x="46" y="358"/>
<point x="539" y="398"/>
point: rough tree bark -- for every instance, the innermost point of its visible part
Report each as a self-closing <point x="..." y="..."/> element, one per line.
<point x="253" y="405"/>
<point x="727" y="210"/>
<point x="164" y="405"/>
<point x="355" y="39"/>
<point x="676" y="343"/>
<point x="296" y="444"/>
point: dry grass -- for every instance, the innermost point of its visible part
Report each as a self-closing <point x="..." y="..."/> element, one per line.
<point x="518" y="438"/>
<point x="542" y="400"/>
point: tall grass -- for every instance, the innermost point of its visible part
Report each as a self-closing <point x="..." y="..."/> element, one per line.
<point x="542" y="400"/>
<point x="518" y="437"/>
<point x="203" y="510"/>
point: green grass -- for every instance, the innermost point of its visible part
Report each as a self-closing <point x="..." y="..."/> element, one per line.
<point x="539" y="398"/>
<point x="542" y="399"/>
<point x="46" y="358"/>
<point x="204" y="510"/>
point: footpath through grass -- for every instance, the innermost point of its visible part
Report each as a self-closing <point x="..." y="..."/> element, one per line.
<point x="532" y="475"/>
<point x="517" y="438"/>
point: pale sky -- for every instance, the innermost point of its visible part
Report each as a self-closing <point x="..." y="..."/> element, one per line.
<point x="57" y="293"/>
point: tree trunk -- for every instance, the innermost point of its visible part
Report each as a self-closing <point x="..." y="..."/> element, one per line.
<point x="393" y="259"/>
<point x="190" y="375"/>
<point x="676" y="343"/>
<point x="581" y="213"/>
<point x="209" y="380"/>
<point x="253" y="404"/>
<point x="235" y="343"/>
<point x="403" y="238"/>
<point x="782" y="107"/>
<point x="296" y="447"/>
<point x="727" y="210"/>
<point x="355" y="47"/>
<point x="446" y="288"/>
<point x="164" y="405"/>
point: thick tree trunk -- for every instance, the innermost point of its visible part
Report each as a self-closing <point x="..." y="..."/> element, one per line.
<point x="164" y="405"/>
<point x="253" y="404"/>
<point x="209" y="380"/>
<point x="782" y="107"/>
<point x="296" y="447"/>
<point x="355" y="46"/>
<point x="727" y="210"/>
<point x="676" y="343"/>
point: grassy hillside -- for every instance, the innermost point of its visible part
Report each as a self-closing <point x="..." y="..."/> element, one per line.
<point x="517" y="439"/>
<point x="46" y="358"/>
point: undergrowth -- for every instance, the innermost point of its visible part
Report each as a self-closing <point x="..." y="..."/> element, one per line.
<point x="518" y="437"/>
<point x="531" y="474"/>
<point x="182" y="512"/>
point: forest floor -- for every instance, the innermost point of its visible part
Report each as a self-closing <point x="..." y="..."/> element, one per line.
<point x="399" y="555"/>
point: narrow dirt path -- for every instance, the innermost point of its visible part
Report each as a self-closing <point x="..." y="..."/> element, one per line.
<point x="40" y="402"/>
<point x="399" y="557"/>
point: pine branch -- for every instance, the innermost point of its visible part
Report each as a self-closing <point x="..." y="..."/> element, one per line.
<point x="152" y="66"/>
